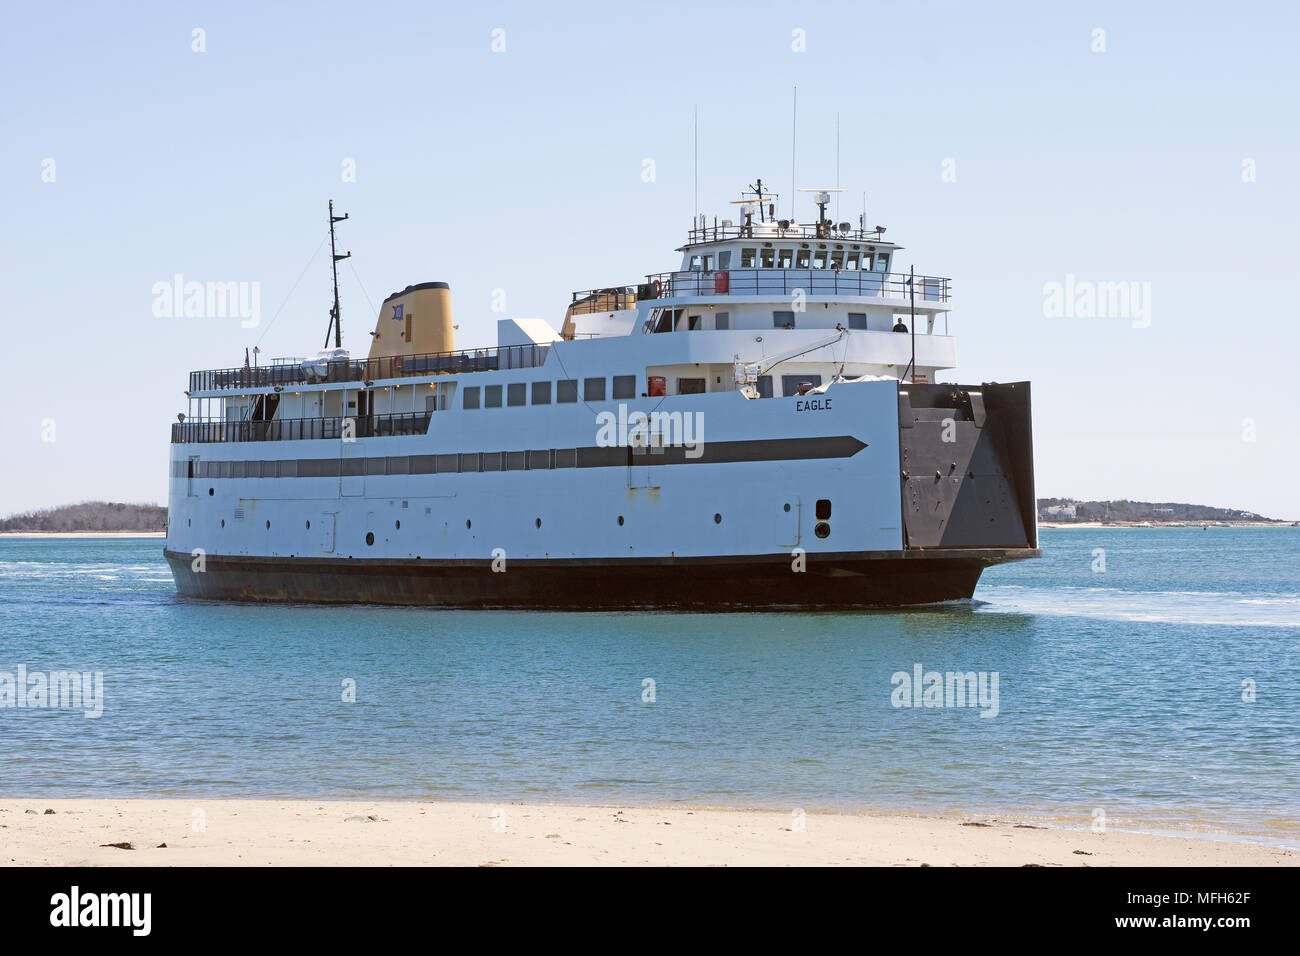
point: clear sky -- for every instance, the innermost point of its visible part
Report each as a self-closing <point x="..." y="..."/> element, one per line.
<point x="1005" y="145"/>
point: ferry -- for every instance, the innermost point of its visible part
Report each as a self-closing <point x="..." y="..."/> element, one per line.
<point x="762" y="427"/>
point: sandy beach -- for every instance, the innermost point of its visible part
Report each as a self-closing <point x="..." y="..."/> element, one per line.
<point x="326" y="833"/>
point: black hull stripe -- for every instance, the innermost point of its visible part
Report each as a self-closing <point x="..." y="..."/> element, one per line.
<point x="707" y="453"/>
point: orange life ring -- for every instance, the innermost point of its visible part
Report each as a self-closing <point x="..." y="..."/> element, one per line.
<point x="659" y="288"/>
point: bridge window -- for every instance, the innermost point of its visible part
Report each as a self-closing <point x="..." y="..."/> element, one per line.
<point x="701" y="263"/>
<point x="593" y="389"/>
<point x="769" y="258"/>
<point x="566" y="391"/>
<point x="471" y="396"/>
<point x="492" y="396"/>
<point x="625" y="386"/>
<point x="882" y="262"/>
<point x="724" y="259"/>
<point x="837" y="260"/>
<point x="747" y="257"/>
<point x="516" y="392"/>
<point x="541" y="393"/>
<point x="785" y="258"/>
<point x="819" y="259"/>
<point x="782" y="320"/>
<point x="851" y="261"/>
<point x="801" y="260"/>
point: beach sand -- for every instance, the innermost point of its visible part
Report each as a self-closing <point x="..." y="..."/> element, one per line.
<point x="328" y="833"/>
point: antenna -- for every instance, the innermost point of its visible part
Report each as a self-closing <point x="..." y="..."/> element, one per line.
<point x="837" y="164"/>
<point x="335" y="320"/>
<point x="794" y="139"/>
<point x="696" y="211"/>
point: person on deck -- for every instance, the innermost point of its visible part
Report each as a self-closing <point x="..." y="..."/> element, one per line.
<point x="899" y="326"/>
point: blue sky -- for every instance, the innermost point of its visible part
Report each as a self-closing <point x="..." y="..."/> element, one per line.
<point x="521" y="170"/>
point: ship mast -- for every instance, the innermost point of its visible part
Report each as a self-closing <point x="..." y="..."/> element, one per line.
<point x="335" y="322"/>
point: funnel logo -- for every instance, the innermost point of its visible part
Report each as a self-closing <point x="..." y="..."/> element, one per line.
<point x="397" y="312"/>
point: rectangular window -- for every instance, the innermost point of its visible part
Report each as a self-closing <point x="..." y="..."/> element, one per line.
<point x="422" y="465"/>
<point x="837" y="260"/>
<point x="783" y="319"/>
<point x="625" y="386"/>
<point x="471" y="396"/>
<point x="882" y="262"/>
<point x="541" y="393"/>
<point x="353" y="467"/>
<point x="516" y="392"/>
<point x="851" y="263"/>
<point x="566" y="391"/>
<point x="819" y="259"/>
<point x="491" y="396"/>
<point x="697" y="263"/>
<point x="785" y="259"/>
<point x="491" y="461"/>
<point x="857" y="320"/>
<point x="769" y="258"/>
<point x="692" y="323"/>
<point x="724" y="260"/>
<point x="690" y="386"/>
<point x="747" y="258"/>
<point x="801" y="259"/>
<point x="566" y="457"/>
<point x="469" y="462"/>
<point x="289" y="469"/>
<point x="515" y="460"/>
<point x="722" y="320"/>
<point x="790" y="383"/>
<point x="765" y="386"/>
<point x="539" y="460"/>
<point x="399" y="465"/>
<point x="593" y="389"/>
<point x="448" y="464"/>
<point x="375" y="466"/>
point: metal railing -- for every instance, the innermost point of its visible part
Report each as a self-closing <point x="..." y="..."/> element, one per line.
<point x="369" y="370"/>
<point x="299" y="429"/>
<point x="771" y="229"/>
<point x="663" y="285"/>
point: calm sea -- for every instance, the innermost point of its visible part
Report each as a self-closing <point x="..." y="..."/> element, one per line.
<point x="1122" y="689"/>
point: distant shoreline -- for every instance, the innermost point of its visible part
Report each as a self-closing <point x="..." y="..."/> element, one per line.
<point x="83" y="534"/>
<point x="1167" y="524"/>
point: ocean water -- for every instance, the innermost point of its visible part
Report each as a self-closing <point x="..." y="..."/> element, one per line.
<point x="1119" y="689"/>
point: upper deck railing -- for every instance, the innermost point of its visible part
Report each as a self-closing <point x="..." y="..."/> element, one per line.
<point x="783" y="282"/>
<point x="826" y="232"/>
<point x="369" y="370"/>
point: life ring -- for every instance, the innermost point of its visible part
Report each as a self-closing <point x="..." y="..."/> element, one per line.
<point x="659" y="287"/>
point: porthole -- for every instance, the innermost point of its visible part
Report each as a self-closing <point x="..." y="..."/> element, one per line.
<point x="822" y="530"/>
<point x="717" y="519"/>
<point x="787" y="506"/>
<point x="268" y="526"/>
<point x="210" y="492"/>
<point x="620" y="521"/>
<point x="308" y="525"/>
<point x="189" y="522"/>
<point x="223" y="522"/>
<point x="539" y="522"/>
<point x="397" y="525"/>
<point x="468" y="523"/>
<point x="823" y="509"/>
<point x="370" y="537"/>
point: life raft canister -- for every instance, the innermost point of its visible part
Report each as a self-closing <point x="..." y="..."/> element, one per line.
<point x="657" y="385"/>
<point x="721" y="282"/>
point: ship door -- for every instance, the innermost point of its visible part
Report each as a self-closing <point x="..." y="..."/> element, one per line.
<point x="326" y="534"/>
<point x="641" y="462"/>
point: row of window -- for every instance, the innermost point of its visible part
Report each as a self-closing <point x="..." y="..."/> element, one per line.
<point x="785" y="319"/>
<point x="540" y="393"/>
<point x="849" y="260"/>
<point x="451" y="463"/>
